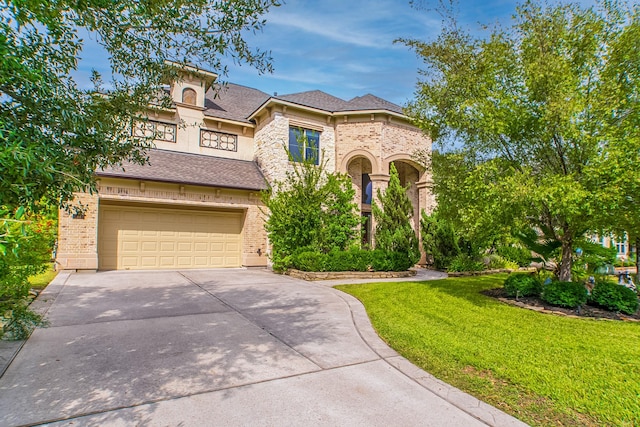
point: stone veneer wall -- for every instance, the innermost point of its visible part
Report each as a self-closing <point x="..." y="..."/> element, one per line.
<point x="77" y="244"/>
<point x="273" y="137"/>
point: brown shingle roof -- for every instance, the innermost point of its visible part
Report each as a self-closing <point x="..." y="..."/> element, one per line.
<point x="315" y="99"/>
<point x="372" y="102"/>
<point x="238" y="103"/>
<point x="194" y="169"/>
<point x="233" y="102"/>
<point x="323" y="101"/>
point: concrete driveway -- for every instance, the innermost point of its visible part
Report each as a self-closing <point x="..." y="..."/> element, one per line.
<point x="218" y="347"/>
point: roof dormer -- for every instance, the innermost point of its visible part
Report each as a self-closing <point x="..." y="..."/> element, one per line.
<point x="192" y="85"/>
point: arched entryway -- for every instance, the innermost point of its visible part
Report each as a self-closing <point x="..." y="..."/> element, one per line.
<point x="359" y="168"/>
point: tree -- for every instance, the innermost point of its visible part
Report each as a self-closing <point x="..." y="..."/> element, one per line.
<point x="439" y="240"/>
<point x="618" y="169"/>
<point x="393" y="214"/>
<point x="528" y="104"/>
<point x="55" y="134"/>
<point x="310" y="210"/>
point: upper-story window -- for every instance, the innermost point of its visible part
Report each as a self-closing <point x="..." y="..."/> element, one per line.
<point x="189" y="96"/>
<point x="218" y="140"/>
<point x="157" y="130"/>
<point x="304" y="144"/>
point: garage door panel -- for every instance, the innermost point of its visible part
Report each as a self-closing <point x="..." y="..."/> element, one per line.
<point x="149" y="247"/>
<point x="130" y="246"/>
<point x="201" y="247"/>
<point x="167" y="261"/>
<point x="149" y="238"/>
<point x="232" y="247"/>
<point x="148" y="261"/>
<point x="167" y="246"/>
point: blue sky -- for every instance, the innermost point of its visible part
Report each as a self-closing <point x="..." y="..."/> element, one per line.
<point x="345" y="47"/>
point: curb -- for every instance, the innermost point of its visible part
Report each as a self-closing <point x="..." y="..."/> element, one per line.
<point x="478" y="409"/>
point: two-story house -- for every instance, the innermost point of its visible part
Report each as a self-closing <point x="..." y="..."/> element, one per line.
<point x="197" y="203"/>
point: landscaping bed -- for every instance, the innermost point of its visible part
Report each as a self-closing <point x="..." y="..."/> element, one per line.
<point x="536" y="304"/>
<point x="331" y="275"/>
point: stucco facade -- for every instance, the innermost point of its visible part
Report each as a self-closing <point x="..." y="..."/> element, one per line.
<point x="215" y="150"/>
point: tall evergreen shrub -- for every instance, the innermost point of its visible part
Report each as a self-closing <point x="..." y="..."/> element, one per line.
<point x="393" y="213"/>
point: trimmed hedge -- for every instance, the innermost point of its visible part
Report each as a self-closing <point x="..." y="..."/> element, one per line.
<point x="463" y="262"/>
<point x="350" y="260"/>
<point x="614" y="297"/>
<point x="522" y="285"/>
<point x="564" y="294"/>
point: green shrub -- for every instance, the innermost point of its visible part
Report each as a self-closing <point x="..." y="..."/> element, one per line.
<point x="495" y="261"/>
<point x="380" y="261"/>
<point x="522" y="285"/>
<point x="463" y="262"/>
<point x="390" y="261"/>
<point x="564" y="294"/>
<point x="354" y="259"/>
<point x="392" y="213"/>
<point x="517" y="254"/>
<point x="439" y="240"/>
<point x="28" y="245"/>
<point x="310" y="209"/>
<point x="614" y="297"/>
<point x="309" y="261"/>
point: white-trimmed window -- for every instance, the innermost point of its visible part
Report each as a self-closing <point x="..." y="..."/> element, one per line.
<point x="304" y="144"/>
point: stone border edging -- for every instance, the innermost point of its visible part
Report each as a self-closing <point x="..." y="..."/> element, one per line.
<point x="559" y="313"/>
<point x="311" y="276"/>
<point x="483" y="272"/>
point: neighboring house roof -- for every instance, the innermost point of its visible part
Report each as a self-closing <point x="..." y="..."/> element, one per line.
<point x="194" y="169"/>
<point x="233" y="102"/>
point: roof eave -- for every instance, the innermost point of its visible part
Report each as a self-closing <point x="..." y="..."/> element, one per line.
<point x="175" y="181"/>
<point x="230" y="121"/>
<point x="377" y="111"/>
<point x="287" y="103"/>
<point x="325" y="112"/>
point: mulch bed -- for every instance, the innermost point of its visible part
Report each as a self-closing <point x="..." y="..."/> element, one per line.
<point x="533" y="303"/>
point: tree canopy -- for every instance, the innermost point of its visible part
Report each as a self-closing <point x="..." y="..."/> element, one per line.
<point x="538" y="109"/>
<point x="54" y="133"/>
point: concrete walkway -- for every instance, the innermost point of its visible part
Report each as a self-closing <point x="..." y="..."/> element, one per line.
<point x="218" y="347"/>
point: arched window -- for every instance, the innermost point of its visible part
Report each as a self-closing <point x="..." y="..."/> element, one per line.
<point x="189" y="96"/>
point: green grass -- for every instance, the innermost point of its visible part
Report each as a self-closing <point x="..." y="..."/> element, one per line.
<point x="543" y="369"/>
<point x="40" y="281"/>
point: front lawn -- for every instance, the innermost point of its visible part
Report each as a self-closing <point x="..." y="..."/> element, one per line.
<point x="40" y="281"/>
<point x="543" y="369"/>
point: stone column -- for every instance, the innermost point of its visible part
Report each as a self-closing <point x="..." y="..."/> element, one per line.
<point x="425" y="187"/>
<point x="378" y="181"/>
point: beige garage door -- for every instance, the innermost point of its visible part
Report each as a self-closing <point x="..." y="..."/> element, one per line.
<point x="132" y="237"/>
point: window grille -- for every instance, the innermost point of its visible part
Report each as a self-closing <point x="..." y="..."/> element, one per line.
<point x="156" y="130"/>
<point x="218" y="140"/>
